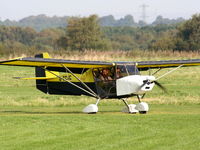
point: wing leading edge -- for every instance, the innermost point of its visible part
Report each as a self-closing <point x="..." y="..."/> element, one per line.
<point x="40" y="62"/>
<point x="145" y="65"/>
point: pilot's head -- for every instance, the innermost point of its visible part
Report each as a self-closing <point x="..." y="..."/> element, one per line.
<point x="105" y="71"/>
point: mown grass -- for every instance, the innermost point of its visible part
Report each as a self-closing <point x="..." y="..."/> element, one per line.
<point x="30" y="119"/>
<point x="103" y="131"/>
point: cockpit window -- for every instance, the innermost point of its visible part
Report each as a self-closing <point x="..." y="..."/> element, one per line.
<point x="126" y="70"/>
<point x="105" y="81"/>
<point x="121" y="71"/>
<point x="132" y="70"/>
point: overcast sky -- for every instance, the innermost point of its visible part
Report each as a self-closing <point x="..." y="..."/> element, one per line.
<point x="17" y="9"/>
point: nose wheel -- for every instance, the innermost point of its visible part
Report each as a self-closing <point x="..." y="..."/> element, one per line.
<point x="142" y="107"/>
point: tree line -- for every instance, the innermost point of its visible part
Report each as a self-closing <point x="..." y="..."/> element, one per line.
<point x="86" y="34"/>
<point x="42" y="22"/>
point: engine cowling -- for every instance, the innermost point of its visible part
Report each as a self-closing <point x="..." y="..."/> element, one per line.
<point x="134" y="84"/>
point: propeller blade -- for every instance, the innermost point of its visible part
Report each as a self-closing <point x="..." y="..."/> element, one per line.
<point x="156" y="83"/>
<point x="160" y="86"/>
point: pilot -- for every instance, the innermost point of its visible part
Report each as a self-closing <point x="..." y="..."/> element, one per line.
<point x="105" y="75"/>
<point x="118" y="73"/>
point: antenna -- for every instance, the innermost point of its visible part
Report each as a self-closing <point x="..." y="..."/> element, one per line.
<point x="144" y="16"/>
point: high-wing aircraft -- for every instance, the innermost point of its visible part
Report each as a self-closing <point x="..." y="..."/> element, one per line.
<point x="98" y="79"/>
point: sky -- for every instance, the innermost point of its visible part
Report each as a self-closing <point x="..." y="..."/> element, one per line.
<point x="18" y="9"/>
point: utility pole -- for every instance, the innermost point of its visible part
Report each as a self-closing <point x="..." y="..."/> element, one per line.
<point x="144" y="16"/>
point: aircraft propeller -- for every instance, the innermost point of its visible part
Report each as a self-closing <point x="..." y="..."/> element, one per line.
<point x="156" y="83"/>
<point x="160" y="86"/>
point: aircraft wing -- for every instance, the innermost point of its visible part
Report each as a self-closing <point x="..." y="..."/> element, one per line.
<point x="145" y="65"/>
<point x="54" y="63"/>
<point x="58" y="63"/>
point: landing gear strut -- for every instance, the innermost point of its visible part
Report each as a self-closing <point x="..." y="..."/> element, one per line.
<point x="142" y="107"/>
<point x="130" y="108"/>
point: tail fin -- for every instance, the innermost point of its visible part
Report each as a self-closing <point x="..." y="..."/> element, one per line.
<point x="39" y="72"/>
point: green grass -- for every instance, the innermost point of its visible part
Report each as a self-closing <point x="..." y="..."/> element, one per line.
<point x="166" y="128"/>
<point x="30" y="119"/>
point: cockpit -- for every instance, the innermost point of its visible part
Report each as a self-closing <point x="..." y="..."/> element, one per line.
<point x="105" y="78"/>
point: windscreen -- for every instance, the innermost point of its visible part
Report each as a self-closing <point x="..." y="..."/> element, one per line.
<point x="126" y="70"/>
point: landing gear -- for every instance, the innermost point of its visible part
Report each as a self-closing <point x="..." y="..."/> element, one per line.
<point x="142" y="107"/>
<point x="130" y="108"/>
<point x="91" y="108"/>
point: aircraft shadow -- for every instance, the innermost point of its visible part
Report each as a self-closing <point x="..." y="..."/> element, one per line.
<point x="43" y="112"/>
<point x="36" y="112"/>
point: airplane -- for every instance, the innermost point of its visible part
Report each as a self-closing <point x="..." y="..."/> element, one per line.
<point x="98" y="79"/>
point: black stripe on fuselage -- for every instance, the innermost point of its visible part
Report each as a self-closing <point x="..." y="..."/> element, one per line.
<point x="64" y="88"/>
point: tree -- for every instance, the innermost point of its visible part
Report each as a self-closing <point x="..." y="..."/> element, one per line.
<point x="85" y="33"/>
<point x="188" y="35"/>
<point x="107" y="21"/>
<point x="49" y="37"/>
<point x="127" y="21"/>
<point x="22" y="35"/>
<point x="160" y="20"/>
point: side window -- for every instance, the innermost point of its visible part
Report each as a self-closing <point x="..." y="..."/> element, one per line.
<point x="121" y="71"/>
<point x="105" y="81"/>
<point x="104" y="74"/>
<point x="126" y="70"/>
<point x="132" y="70"/>
<point x="96" y="73"/>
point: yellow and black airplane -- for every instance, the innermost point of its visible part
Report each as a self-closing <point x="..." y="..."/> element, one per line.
<point x="101" y="80"/>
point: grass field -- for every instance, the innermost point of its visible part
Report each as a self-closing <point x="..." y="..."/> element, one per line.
<point x="165" y="128"/>
<point x="30" y="119"/>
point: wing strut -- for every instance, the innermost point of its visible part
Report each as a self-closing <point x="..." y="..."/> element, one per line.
<point x="94" y="95"/>
<point x="169" y="72"/>
<point x="156" y="71"/>
<point x="67" y="69"/>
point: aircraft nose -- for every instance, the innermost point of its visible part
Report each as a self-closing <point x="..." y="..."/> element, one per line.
<point x="147" y="84"/>
<point x="134" y="84"/>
